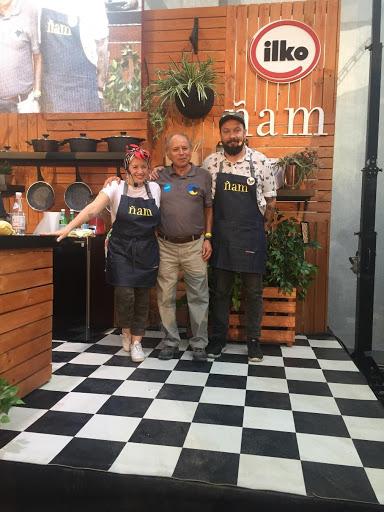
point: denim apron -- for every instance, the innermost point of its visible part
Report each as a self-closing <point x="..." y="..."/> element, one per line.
<point x="239" y="243"/>
<point x="69" y="78"/>
<point x="133" y="251"/>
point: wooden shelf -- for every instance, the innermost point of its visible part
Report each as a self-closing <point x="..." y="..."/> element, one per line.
<point x="10" y="190"/>
<point x="287" y="194"/>
<point x="63" y="158"/>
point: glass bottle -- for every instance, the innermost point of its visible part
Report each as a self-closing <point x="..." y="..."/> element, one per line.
<point x="71" y="214"/>
<point x="18" y="216"/>
<point x="63" y="219"/>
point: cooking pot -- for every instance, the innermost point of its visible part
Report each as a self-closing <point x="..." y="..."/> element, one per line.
<point x="120" y="142"/>
<point x="44" y="144"/>
<point x="82" y="143"/>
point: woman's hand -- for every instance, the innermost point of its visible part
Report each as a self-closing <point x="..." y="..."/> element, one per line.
<point x="207" y="250"/>
<point x="60" y="233"/>
<point x="109" y="180"/>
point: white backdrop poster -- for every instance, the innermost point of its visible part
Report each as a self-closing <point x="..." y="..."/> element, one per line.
<point x="70" y="55"/>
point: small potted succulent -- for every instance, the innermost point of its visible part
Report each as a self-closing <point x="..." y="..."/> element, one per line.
<point x="298" y="166"/>
<point x="188" y="85"/>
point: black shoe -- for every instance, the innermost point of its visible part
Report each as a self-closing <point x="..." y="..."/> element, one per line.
<point x="199" y="354"/>
<point x="255" y="355"/>
<point x="214" y="348"/>
<point x="168" y="352"/>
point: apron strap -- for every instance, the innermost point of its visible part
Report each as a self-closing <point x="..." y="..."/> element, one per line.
<point x="250" y="163"/>
<point x="146" y="185"/>
<point x="148" y="189"/>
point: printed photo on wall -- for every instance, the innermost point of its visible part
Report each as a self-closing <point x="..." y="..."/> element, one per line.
<point x="70" y="56"/>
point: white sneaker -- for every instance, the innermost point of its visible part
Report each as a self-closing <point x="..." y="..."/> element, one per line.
<point x="126" y="342"/>
<point x="137" y="354"/>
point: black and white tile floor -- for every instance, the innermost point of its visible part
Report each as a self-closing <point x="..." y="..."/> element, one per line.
<point x="304" y="421"/>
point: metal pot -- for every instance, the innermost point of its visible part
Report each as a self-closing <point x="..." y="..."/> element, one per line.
<point x="120" y="142"/>
<point x="77" y="195"/>
<point x="82" y="143"/>
<point x="40" y="195"/>
<point x="44" y="144"/>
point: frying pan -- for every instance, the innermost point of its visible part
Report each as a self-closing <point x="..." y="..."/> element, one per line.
<point x="40" y="195"/>
<point x="77" y="195"/>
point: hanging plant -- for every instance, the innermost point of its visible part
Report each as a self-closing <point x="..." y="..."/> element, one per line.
<point x="188" y="85"/>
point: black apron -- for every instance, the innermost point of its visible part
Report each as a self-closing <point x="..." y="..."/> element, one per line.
<point x="238" y="242"/>
<point x="133" y="251"/>
<point x="69" y="78"/>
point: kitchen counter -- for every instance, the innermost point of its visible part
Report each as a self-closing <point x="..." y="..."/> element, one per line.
<point x="27" y="242"/>
<point x="26" y="304"/>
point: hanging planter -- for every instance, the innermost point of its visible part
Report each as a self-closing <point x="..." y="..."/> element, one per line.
<point x="194" y="107"/>
<point x="188" y="85"/>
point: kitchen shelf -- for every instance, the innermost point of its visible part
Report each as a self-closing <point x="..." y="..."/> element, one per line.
<point x="10" y="190"/>
<point x="63" y="159"/>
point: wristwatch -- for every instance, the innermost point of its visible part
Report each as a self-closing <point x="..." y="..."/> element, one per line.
<point x="207" y="235"/>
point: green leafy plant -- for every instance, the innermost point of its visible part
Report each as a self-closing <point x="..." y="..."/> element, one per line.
<point x="8" y="398"/>
<point x="5" y="168"/>
<point x="123" y="88"/>
<point x="287" y="267"/>
<point x="176" y="81"/>
<point x="305" y="161"/>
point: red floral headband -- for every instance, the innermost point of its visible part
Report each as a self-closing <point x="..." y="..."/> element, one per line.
<point x="135" y="151"/>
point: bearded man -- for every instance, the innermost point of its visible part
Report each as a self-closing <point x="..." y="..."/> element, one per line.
<point x="244" y="196"/>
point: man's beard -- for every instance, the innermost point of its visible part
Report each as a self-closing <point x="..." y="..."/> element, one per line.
<point x="233" y="150"/>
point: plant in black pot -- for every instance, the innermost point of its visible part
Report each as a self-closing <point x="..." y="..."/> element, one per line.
<point x="188" y="85"/>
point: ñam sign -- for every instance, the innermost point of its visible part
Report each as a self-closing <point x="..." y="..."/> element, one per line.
<point x="284" y="51"/>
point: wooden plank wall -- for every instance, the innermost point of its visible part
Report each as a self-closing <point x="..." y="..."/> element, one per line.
<point x="224" y="35"/>
<point x="26" y="295"/>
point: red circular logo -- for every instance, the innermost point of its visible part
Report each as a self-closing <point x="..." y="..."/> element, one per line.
<point x="284" y="51"/>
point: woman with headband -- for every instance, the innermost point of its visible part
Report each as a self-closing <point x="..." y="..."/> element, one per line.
<point x="133" y="253"/>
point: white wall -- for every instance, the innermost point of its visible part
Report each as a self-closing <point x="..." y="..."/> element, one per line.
<point x="349" y="159"/>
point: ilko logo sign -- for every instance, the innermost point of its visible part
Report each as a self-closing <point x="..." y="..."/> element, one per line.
<point x="284" y="51"/>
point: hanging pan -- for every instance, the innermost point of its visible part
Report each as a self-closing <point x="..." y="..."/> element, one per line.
<point x="40" y="195"/>
<point x="77" y="195"/>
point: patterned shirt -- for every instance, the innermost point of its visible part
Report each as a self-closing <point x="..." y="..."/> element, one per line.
<point x="264" y="174"/>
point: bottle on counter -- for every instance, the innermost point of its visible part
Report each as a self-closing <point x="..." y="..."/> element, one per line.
<point x="71" y="214"/>
<point x="18" y="216"/>
<point x="63" y="221"/>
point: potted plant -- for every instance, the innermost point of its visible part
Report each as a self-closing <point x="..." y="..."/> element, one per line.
<point x="8" y="398"/>
<point x="188" y="85"/>
<point x="298" y="166"/>
<point x="288" y="276"/>
<point x="122" y="91"/>
<point x="5" y="172"/>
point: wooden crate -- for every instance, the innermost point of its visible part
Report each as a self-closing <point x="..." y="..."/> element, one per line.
<point x="278" y="324"/>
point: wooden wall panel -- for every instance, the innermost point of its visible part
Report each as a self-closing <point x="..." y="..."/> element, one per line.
<point x="241" y="83"/>
<point x="225" y="33"/>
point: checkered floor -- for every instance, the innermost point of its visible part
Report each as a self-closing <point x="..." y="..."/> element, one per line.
<point x="304" y="421"/>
